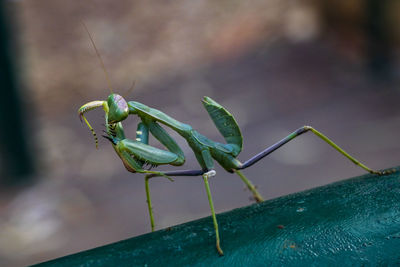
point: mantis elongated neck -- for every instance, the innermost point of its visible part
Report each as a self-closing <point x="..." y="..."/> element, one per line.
<point x="146" y="112"/>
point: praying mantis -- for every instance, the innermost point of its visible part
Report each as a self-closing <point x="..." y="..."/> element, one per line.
<point x="137" y="155"/>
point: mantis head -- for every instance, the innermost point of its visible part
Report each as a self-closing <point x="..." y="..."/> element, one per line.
<point x="115" y="108"/>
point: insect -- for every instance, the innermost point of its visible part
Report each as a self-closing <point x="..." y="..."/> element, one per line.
<point x="139" y="157"/>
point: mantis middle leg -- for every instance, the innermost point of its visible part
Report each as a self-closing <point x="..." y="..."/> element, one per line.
<point x="209" y="172"/>
<point x="167" y="174"/>
<point x="206" y="176"/>
<point x="214" y="217"/>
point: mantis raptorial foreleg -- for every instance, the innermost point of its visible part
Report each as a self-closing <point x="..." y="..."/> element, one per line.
<point x="146" y="153"/>
<point x="135" y="153"/>
<point x="161" y="135"/>
<point x="142" y="133"/>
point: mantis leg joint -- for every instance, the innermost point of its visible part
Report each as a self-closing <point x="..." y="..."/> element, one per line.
<point x="307" y="127"/>
<point x="209" y="174"/>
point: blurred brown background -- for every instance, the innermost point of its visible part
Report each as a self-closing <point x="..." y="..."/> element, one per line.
<point x="276" y="65"/>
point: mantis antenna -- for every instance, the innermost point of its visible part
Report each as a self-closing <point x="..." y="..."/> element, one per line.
<point x="130" y="89"/>
<point x="94" y="104"/>
<point x="99" y="57"/>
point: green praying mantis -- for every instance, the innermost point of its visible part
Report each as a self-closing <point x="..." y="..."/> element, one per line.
<point x="139" y="157"/>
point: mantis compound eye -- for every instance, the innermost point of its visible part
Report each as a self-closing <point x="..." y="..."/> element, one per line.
<point x="118" y="108"/>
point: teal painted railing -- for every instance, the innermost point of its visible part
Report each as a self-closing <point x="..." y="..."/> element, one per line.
<point x="355" y="222"/>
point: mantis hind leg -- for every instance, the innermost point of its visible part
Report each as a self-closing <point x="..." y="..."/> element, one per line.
<point x="256" y="195"/>
<point x="231" y="164"/>
<point x="298" y="132"/>
<point x="161" y="135"/>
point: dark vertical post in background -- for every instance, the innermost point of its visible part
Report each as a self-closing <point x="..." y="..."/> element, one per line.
<point x="15" y="156"/>
<point x="378" y="38"/>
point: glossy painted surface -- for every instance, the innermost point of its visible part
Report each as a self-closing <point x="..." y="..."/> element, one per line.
<point x="351" y="223"/>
